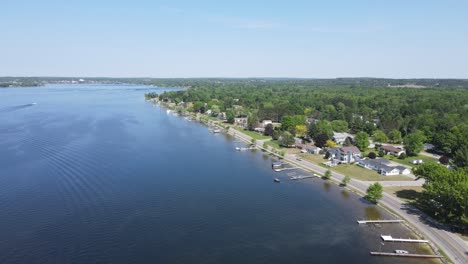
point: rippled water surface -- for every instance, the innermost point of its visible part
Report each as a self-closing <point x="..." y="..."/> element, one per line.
<point x="94" y="174"/>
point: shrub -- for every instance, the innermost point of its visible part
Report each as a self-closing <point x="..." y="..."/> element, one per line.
<point x="444" y="160"/>
<point x="371" y="155"/>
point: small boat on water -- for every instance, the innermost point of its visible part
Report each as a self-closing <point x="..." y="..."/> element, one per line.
<point x="276" y="180"/>
<point x="400" y="251"/>
<point x="216" y="130"/>
<point x="238" y="149"/>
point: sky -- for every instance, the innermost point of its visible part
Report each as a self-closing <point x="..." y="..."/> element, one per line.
<point x="302" y="39"/>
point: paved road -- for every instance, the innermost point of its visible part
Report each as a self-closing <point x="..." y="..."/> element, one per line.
<point x="455" y="247"/>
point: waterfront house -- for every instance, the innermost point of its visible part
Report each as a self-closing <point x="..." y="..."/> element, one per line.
<point x="222" y="116"/>
<point x="383" y="166"/>
<point x="241" y="121"/>
<point x="391" y="150"/>
<point x="341" y="137"/>
<point x="344" y="154"/>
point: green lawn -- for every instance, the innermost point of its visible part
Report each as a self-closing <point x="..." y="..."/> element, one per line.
<point x="252" y="134"/>
<point x="273" y="144"/>
<point x="405" y="193"/>
<point x="314" y="158"/>
<point x="359" y="173"/>
<point x="407" y="160"/>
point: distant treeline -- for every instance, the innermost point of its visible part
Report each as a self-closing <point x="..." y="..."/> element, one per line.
<point x="188" y="82"/>
<point x="441" y="114"/>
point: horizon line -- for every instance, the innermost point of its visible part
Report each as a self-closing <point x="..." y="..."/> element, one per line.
<point x="251" y="77"/>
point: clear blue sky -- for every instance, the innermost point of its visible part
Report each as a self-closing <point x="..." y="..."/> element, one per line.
<point x="314" y="39"/>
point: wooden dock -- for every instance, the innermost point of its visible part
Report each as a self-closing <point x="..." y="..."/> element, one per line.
<point x="378" y="221"/>
<point x="282" y="169"/>
<point x="391" y="239"/>
<point x="295" y="178"/>
<point x="404" y="255"/>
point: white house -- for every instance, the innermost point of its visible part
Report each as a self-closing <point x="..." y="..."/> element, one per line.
<point x="241" y="121"/>
<point x="340" y="137"/>
<point x="344" y="154"/>
<point x="383" y="167"/>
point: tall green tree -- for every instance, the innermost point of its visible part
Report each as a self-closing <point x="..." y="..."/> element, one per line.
<point x="374" y="193"/>
<point x="339" y="125"/>
<point x="460" y="158"/>
<point x="362" y="140"/>
<point x="252" y="122"/>
<point x="380" y="137"/>
<point x="395" y="136"/>
<point x="445" y="194"/>
<point x="325" y="127"/>
<point x="286" y="139"/>
<point x="414" y="143"/>
<point x="230" y="116"/>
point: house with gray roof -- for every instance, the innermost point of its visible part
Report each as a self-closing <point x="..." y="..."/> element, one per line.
<point x="383" y="166"/>
<point x="344" y="154"/>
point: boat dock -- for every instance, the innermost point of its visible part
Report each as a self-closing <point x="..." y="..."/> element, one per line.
<point x="245" y="149"/>
<point x="391" y="239"/>
<point x="404" y="255"/>
<point x="282" y="169"/>
<point x="295" y="178"/>
<point x="378" y="221"/>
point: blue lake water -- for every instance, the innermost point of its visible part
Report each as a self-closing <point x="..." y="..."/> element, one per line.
<point x="94" y="174"/>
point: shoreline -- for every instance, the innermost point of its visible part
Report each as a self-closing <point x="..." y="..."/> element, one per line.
<point x="395" y="209"/>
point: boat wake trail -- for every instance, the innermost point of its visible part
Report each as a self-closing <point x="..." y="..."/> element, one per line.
<point x="15" y="108"/>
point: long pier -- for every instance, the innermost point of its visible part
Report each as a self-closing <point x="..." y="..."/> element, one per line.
<point x="295" y="178"/>
<point x="282" y="169"/>
<point x="404" y="255"/>
<point x="391" y="239"/>
<point x="378" y="221"/>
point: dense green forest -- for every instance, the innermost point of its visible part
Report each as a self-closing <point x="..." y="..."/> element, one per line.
<point x="440" y="114"/>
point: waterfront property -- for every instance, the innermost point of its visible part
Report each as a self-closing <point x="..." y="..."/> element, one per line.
<point x="344" y="154"/>
<point x="383" y="166"/>
<point x="241" y="121"/>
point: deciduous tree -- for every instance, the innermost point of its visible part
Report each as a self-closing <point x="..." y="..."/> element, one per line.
<point x="374" y="193"/>
<point x="362" y="140"/>
<point x="414" y="143"/>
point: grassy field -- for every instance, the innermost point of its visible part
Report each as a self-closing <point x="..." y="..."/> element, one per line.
<point x="314" y="158"/>
<point x="252" y="134"/>
<point x="356" y="172"/>
<point x="407" y="160"/>
<point x="275" y="144"/>
<point x="405" y="193"/>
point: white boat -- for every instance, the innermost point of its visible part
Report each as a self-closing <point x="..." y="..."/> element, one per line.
<point x="276" y="180"/>
<point x="400" y="251"/>
<point x="216" y="130"/>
